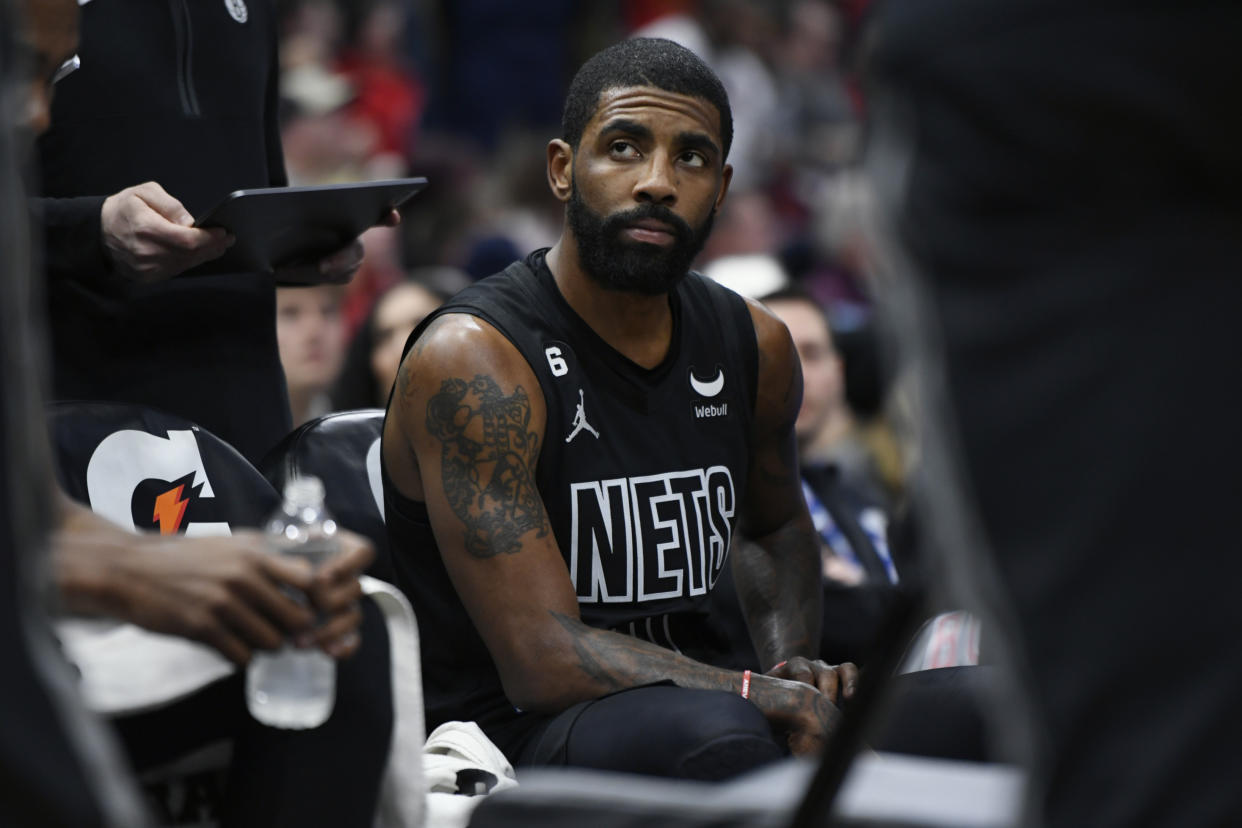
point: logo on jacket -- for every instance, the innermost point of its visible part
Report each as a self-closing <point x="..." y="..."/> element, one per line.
<point x="142" y="481"/>
<point x="580" y="420"/>
<point x="237" y="9"/>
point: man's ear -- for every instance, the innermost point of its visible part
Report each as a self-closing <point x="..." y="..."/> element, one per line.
<point x="560" y="169"/>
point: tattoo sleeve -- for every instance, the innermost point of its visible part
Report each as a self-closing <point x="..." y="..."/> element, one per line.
<point x="612" y="661"/>
<point x="615" y="661"/>
<point x="488" y="454"/>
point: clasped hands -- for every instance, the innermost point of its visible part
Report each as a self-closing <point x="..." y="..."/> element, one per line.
<point x="810" y="716"/>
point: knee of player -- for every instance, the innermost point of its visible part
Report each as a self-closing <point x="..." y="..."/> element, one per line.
<point x="719" y="714"/>
<point x="726" y="735"/>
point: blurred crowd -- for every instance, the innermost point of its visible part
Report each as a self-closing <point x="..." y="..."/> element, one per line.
<point x="468" y="92"/>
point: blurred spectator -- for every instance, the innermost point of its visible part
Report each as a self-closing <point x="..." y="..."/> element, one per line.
<point x="819" y="123"/>
<point x="501" y="65"/>
<point x="381" y="269"/>
<point x="752" y="275"/>
<point x="397" y="313"/>
<point x="311" y="335"/>
<point x="747" y="224"/>
<point x="350" y="108"/>
<point x="636" y="14"/>
<point x="828" y="433"/>
<point x="389" y="96"/>
<point x="677" y="20"/>
<point x="733" y="37"/>
<point x="375" y="351"/>
<point x="844" y="418"/>
<point x="515" y="203"/>
<point x="310" y="34"/>
<point x="321" y="145"/>
<point x="488" y="255"/>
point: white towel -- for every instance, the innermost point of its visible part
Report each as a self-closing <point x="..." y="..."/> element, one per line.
<point x="461" y="746"/>
<point x="454" y="747"/>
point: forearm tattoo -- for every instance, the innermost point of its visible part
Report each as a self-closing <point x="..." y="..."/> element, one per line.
<point x="615" y="661"/>
<point x="487" y="460"/>
<point x="600" y="667"/>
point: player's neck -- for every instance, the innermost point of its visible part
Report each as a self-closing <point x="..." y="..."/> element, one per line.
<point x="637" y="325"/>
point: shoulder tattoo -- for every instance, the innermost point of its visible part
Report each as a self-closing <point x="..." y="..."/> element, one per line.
<point x="487" y="459"/>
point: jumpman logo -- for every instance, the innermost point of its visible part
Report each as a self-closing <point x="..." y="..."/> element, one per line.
<point x="580" y="421"/>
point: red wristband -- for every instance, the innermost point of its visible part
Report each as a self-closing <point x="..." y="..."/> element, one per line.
<point x="746" y="684"/>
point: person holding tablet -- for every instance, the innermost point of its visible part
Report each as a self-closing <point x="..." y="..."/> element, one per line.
<point x="167" y="113"/>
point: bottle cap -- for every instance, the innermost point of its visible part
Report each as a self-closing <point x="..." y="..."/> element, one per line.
<point x="304" y="492"/>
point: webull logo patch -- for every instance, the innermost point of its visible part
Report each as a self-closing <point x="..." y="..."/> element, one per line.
<point x="703" y="412"/>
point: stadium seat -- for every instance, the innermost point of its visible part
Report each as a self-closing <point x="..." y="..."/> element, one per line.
<point x="126" y="462"/>
<point x="342" y="450"/>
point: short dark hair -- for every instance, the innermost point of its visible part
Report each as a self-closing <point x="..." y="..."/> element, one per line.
<point x="643" y="61"/>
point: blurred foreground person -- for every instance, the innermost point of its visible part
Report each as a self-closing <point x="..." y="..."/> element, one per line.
<point x="58" y="767"/>
<point x="1062" y="181"/>
<point x="572" y="444"/>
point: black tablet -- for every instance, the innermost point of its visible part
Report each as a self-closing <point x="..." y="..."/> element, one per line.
<point x="278" y="226"/>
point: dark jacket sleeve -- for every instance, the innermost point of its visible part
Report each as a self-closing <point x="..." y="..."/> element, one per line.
<point x="277" y="177"/>
<point x="73" y="239"/>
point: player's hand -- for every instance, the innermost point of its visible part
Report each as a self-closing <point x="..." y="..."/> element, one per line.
<point x="802" y="712"/>
<point x="149" y="235"/>
<point x="335" y="592"/>
<point x="228" y="592"/>
<point x="814" y="726"/>
<point x="836" y="682"/>
<point x="337" y="268"/>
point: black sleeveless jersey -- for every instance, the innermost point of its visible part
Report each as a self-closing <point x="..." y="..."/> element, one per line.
<point x="642" y="472"/>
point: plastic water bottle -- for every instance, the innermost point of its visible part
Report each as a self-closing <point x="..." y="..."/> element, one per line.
<point x="295" y="688"/>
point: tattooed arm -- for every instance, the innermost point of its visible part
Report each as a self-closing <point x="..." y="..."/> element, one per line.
<point x="463" y="435"/>
<point x="777" y="567"/>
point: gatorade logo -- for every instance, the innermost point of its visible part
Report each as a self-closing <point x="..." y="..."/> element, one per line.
<point x="144" y="482"/>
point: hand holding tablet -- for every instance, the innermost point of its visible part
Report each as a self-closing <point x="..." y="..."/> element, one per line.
<point x="291" y="229"/>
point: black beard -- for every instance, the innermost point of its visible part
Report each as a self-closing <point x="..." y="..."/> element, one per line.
<point x="635" y="267"/>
